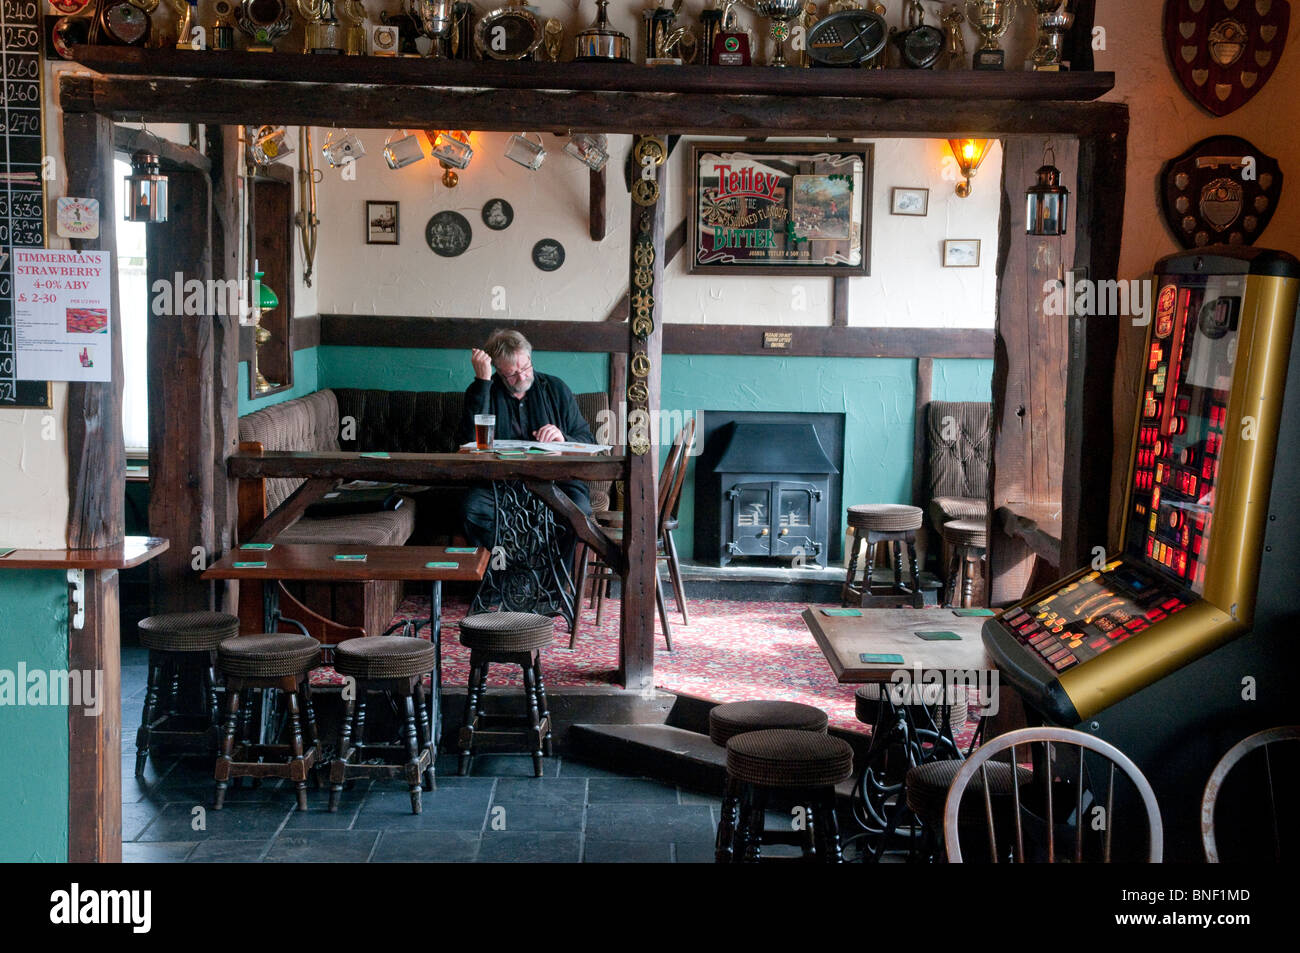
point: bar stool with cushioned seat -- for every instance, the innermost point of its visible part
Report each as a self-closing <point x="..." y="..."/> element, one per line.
<point x="515" y="638"/>
<point x="927" y="790"/>
<point x="181" y="653"/>
<point x="395" y="665"/>
<point x="279" y="660"/>
<point x="896" y="525"/>
<point x="968" y="540"/>
<point x="736" y="718"/>
<point x="806" y="765"/>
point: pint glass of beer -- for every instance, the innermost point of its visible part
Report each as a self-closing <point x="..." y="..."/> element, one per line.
<point x="485" y="426"/>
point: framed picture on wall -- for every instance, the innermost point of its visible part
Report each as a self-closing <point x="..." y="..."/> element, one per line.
<point x="909" y="202"/>
<point x="381" y="223"/>
<point x="780" y="208"/>
<point x="961" y="253"/>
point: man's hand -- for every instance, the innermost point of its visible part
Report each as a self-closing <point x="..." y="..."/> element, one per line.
<point x="482" y="364"/>
<point x="548" y="434"/>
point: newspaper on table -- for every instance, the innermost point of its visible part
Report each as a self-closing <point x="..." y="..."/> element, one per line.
<point x="560" y="446"/>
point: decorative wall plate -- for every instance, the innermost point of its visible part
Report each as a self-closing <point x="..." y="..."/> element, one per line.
<point x="448" y="234"/>
<point x="548" y="254"/>
<point x="1222" y="190"/>
<point x="847" y="38"/>
<point x="498" y="214"/>
<point x="1225" y="51"/>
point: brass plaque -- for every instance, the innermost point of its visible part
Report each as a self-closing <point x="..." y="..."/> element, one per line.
<point x="778" y="340"/>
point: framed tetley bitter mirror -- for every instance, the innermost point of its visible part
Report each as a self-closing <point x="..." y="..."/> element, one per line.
<point x="780" y="208"/>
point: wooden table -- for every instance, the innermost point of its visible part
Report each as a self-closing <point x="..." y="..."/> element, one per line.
<point x="879" y="801"/>
<point x="316" y="562"/>
<point x="843" y="639"/>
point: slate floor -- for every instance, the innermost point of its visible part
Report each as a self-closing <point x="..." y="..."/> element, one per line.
<point x="576" y="813"/>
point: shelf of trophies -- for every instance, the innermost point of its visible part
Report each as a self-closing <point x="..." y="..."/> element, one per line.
<point x="449" y="44"/>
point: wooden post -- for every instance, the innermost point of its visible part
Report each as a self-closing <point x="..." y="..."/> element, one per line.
<point x="637" y="625"/>
<point x="96" y="455"/>
<point x="181" y="375"/>
<point x="1091" y="465"/>
<point x="223" y="150"/>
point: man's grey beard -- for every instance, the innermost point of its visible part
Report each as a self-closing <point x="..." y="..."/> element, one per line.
<point x="518" y="391"/>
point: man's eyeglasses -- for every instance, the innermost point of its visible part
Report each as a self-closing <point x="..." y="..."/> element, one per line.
<point x="517" y="375"/>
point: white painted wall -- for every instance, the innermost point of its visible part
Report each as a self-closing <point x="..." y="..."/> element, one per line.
<point x="908" y="286"/>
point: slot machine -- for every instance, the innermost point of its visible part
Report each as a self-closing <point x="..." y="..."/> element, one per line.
<point x="1182" y="642"/>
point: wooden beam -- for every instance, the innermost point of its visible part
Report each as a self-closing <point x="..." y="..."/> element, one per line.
<point x="421" y="468"/>
<point x="95" y="741"/>
<point x="223" y="150"/>
<point x="164" y="99"/>
<point x="182" y="377"/>
<point x="129" y="140"/>
<point x="596" y="210"/>
<point x="460" y="75"/>
<point x="839" y="302"/>
<point x="96" y="454"/>
<point x="920" y="456"/>
<point x="676" y="242"/>
<point x="640" y="504"/>
<point x="287" y="513"/>
<point x="1090" y="464"/>
<point x="370" y="330"/>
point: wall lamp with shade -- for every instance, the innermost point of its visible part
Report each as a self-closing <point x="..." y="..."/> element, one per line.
<point x="452" y="150"/>
<point x="146" y="190"/>
<point x="969" y="153"/>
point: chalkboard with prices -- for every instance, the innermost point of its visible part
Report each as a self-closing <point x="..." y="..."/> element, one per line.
<point x="22" y="184"/>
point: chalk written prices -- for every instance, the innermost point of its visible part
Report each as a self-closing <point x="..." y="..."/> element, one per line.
<point x="61" y="314"/>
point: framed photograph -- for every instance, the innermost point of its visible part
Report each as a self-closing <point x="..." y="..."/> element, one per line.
<point x="780" y="208"/>
<point x="909" y="202"/>
<point x="961" y="253"/>
<point x="381" y="223"/>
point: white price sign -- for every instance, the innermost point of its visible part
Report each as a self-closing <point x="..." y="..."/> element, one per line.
<point x="62" y="310"/>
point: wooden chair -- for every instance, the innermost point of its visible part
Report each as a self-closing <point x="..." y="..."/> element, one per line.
<point x="1054" y="770"/>
<point x="671" y="479"/>
<point x="1214" y="786"/>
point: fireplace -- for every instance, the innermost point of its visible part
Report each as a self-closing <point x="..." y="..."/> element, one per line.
<point x="764" y="491"/>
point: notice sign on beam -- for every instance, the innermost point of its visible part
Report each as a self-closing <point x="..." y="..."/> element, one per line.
<point x="62" y="302"/>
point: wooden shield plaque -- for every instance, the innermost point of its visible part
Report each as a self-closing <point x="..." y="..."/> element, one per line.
<point x="1224" y="51"/>
<point x="1221" y="191"/>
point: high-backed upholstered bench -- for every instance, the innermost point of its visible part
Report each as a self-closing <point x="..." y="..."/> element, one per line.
<point x="736" y="718"/>
<point x="515" y="638"/>
<point x="181" y="653"/>
<point x="395" y="665"/>
<point x="274" y="660"/>
<point x="897" y="525"/>
<point x="804" y="764"/>
<point x="968" y="540"/>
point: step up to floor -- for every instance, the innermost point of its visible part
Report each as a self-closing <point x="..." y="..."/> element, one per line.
<point x="663" y="752"/>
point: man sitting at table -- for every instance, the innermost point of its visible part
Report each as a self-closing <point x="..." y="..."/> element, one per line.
<point x="527" y="406"/>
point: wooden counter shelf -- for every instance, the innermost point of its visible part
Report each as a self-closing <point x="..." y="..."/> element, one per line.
<point x="423" y="467"/>
<point x="371" y="92"/>
<point x="131" y="552"/>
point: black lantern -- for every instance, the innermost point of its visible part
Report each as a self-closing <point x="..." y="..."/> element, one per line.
<point x="1048" y="202"/>
<point x="146" y="190"/>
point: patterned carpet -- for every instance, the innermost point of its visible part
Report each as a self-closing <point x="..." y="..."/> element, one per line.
<point x="731" y="651"/>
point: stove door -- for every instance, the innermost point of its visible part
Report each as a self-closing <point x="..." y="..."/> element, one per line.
<point x="751" y="519"/>
<point x="796" y="513"/>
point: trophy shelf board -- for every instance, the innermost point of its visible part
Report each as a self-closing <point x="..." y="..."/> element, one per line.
<point x="612" y="77"/>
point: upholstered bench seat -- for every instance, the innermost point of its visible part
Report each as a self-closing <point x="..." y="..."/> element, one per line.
<point x="381" y="528"/>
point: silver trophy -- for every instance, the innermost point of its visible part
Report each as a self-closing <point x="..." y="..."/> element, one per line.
<point x="435" y="19"/>
<point x="1053" y="24"/>
<point x="780" y="12"/>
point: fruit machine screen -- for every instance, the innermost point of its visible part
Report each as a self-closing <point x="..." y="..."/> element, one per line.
<point x="1183" y="581"/>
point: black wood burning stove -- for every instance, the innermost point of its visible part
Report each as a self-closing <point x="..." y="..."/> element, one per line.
<point x="773" y="486"/>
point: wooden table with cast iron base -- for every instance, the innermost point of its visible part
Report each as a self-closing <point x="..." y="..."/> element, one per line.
<point x="857" y="648"/>
<point x="316" y="562"/>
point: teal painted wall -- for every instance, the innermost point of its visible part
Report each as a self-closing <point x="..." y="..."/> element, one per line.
<point x="876" y="395"/>
<point x="34" y="739"/>
<point x="305" y="381"/>
<point x="400" y="368"/>
<point x="956" y="379"/>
